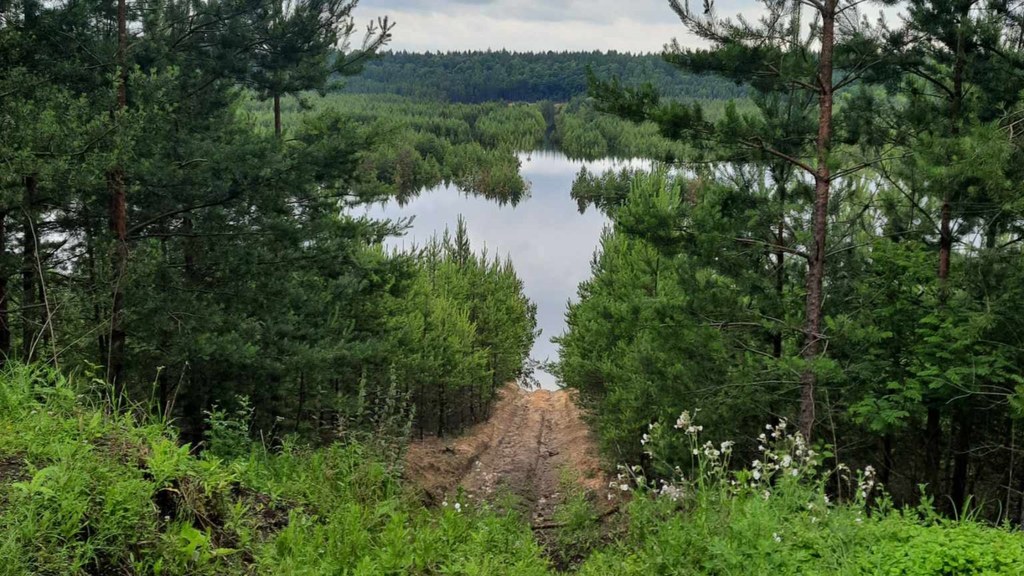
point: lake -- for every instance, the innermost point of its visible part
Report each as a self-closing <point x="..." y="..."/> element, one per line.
<point x="551" y="244"/>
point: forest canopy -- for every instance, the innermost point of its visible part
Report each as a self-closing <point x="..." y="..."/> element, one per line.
<point x="475" y="77"/>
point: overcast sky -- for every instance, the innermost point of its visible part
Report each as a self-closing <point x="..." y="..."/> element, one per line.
<point x="535" y="25"/>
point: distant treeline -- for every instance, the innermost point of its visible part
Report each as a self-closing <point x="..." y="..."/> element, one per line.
<point x="422" y="143"/>
<point x="475" y="77"/>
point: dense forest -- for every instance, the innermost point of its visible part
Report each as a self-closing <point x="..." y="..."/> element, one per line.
<point x="476" y="77"/>
<point x="848" y="257"/>
<point x="799" y="347"/>
<point x="160" y="239"/>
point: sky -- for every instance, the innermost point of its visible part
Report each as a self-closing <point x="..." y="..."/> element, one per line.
<point x="536" y="25"/>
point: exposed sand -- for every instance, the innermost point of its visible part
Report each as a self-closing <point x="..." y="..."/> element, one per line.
<point x="532" y="441"/>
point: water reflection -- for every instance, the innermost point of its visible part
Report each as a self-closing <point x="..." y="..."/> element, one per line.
<point x="549" y="241"/>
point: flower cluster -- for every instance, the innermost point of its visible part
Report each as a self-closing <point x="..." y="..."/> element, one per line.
<point x="685" y="422"/>
<point x="866" y="482"/>
<point x="626" y="478"/>
<point x="648" y="438"/>
<point x="674" y="491"/>
<point x="783" y="454"/>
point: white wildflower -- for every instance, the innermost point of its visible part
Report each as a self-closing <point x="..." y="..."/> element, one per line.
<point x="684" y="422"/>
<point x="671" y="491"/>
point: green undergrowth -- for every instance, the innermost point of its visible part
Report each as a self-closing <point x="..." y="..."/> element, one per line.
<point x="87" y="491"/>
<point x="84" y="491"/>
<point x="752" y="536"/>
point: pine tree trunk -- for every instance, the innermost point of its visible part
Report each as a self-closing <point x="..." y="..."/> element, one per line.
<point x="189" y="248"/>
<point x="29" y="249"/>
<point x="945" y="251"/>
<point x="164" y="394"/>
<point x="43" y="307"/>
<point x="933" y="451"/>
<point x="302" y="401"/>
<point x="5" y="327"/>
<point x="97" y="312"/>
<point x="421" y="413"/>
<point x="118" y="222"/>
<point x="822" y="188"/>
<point x="440" y="410"/>
<point x="116" y="341"/>
<point x="277" y="115"/>
<point x="887" y="464"/>
<point x="961" y="460"/>
<point x="934" y="444"/>
<point x="780" y="264"/>
<point x="933" y="430"/>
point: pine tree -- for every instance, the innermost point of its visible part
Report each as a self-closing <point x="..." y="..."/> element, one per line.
<point x="782" y="68"/>
<point x="297" y="45"/>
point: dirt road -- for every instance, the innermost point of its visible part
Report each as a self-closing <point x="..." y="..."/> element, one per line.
<point x="533" y="443"/>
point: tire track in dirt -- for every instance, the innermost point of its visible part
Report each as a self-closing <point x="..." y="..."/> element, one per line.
<point x="531" y="441"/>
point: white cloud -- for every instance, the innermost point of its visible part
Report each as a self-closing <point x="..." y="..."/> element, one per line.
<point x="535" y="25"/>
<point x="539" y="25"/>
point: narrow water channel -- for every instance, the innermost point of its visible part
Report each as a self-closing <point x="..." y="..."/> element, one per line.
<point x="551" y="244"/>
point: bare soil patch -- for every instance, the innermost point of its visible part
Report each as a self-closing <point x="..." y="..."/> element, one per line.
<point x="531" y="441"/>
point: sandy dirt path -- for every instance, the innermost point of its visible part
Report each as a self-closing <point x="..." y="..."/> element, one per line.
<point x="532" y="441"/>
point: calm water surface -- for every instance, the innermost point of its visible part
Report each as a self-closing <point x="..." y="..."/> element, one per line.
<point x="551" y="244"/>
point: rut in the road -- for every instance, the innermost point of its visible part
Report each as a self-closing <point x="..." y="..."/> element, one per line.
<point x="531" y="442"/>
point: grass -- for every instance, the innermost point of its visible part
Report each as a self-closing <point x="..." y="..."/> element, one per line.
<point x="85" y="491"/>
